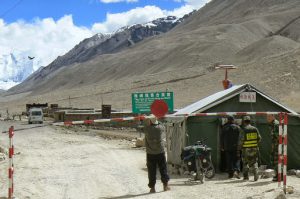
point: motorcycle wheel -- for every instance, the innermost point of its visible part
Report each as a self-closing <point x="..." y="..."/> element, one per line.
<point x="210" y="172"/>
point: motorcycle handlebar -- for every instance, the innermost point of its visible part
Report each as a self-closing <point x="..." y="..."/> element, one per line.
<point x="200" y="142"/>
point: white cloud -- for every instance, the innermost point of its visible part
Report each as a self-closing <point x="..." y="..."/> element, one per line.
<point x="194" y="3"/>
<point x="117" y="1"/>
<point x="115" y="21"/>
<point x="180" y="12"/>
<point x="137" y="15"/>
<point x="45" y="39"/>
<point x="197" y="3"/>
<point x="7" y="85"/>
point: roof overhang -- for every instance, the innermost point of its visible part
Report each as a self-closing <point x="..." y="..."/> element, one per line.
<point x="222" y="96"/>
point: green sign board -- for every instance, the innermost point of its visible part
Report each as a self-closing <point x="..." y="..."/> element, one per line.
<point x="141" y="102"/>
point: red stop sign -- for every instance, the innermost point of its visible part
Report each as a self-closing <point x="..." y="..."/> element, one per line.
<point x="159" y="108"/>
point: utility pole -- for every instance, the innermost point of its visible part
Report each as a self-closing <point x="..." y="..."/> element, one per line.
<point x="69" y="101"/>
<point x="7" y="114"/>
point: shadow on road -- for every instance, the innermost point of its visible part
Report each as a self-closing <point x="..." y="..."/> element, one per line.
<point x="185" y="183"/>
<point x="126" y="196"/>
<point x="258" y="184"/>
<point x="234" y="181"/>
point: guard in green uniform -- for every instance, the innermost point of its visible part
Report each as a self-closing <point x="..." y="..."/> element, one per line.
<point x="274" y="130"/>
<point x="250" y="150"/>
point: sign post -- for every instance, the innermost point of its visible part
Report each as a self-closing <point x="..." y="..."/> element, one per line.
<point x="106" y="111"/>
<point x="141" y="102"/>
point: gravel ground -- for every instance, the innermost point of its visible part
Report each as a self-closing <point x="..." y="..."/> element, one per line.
<point x="54" y="162"/>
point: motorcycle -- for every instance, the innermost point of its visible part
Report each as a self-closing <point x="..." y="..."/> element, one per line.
<point x="197" y="159"/>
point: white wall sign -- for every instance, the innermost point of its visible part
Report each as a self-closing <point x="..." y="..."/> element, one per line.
<point x="248" y="97"/>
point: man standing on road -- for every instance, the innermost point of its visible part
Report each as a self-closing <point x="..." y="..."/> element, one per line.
<point x="249" y="140"/>
<point x="155" y="153"/>
<point x="230" y="144"/>
<point x="274" y="126"/>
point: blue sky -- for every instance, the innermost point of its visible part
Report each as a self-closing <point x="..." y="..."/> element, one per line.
<point x="84" y="12"/>
<point x="47" y="29"/>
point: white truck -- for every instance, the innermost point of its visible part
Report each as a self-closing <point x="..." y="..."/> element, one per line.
<point x="35" y="115"/>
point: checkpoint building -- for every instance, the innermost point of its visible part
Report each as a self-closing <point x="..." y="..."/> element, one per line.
<point x="184" y="130"/>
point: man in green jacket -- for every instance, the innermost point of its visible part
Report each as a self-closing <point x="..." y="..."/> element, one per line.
<point x="155" y="153"/>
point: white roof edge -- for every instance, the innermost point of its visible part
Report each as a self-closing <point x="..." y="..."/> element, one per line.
<point x="207" y="100"/>
<point x="220" y="101"/>
<point x="275" y="102"/>
<point x="222" y="96"/>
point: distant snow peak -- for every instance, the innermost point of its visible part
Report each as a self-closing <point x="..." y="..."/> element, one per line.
<point x="123" y="29"/>
<point x="7" y="85"/>
<point x="150" y="24"/>
<point x="102" y="36"/>
<point x="168" y="19"/>
<point x="15" y="67"/>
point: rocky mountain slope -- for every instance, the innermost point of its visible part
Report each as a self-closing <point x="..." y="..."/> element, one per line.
<point x="101" y="44"/>
<point x="261" y="37"/>
<point x="122" y="39"/>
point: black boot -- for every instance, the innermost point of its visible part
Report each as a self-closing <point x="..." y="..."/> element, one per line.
<point x="166" y="187"/>
<point x="152" y="190"/>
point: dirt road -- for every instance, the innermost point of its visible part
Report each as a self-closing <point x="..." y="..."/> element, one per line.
<point x="57" y="163"/>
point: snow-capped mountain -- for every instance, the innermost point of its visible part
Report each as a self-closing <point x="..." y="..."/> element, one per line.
<point x="124" y="38"/>
<point x="120" y="40"/>
<point x="15" y="68"/>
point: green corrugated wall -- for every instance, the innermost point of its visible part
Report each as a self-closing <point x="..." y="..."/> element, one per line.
<point x="209" y="127"/>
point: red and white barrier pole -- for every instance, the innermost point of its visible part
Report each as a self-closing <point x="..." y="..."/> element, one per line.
<point x="280" y="150"/>
<point x="142" y="117"/>
<point x="285" y="151"/>
<point x="11" y="164"/>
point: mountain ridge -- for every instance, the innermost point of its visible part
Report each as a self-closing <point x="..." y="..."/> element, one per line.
<point x="182" y="59"/>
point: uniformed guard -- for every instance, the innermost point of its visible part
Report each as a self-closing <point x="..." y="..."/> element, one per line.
<point x="274" y="130"/>
<point x="250" y="149"/>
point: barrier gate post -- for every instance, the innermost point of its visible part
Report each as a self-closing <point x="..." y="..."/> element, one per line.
<point x="282" y="150"/>
<point x="285" y="150"/>
<point x="279" y="170"/>
<point x="11" y="164"/>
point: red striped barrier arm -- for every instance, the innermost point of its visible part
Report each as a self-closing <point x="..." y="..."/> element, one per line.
<point x="232" y="113"/>
<point x="138" y="118"/>
<point x="69" y="123"/>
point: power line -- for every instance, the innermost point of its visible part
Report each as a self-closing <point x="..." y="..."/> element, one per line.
<point x="11" y="8"/>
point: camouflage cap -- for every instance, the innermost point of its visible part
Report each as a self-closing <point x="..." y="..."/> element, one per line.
<point x="230" y="118"/>
<point x="247" y="118"/>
